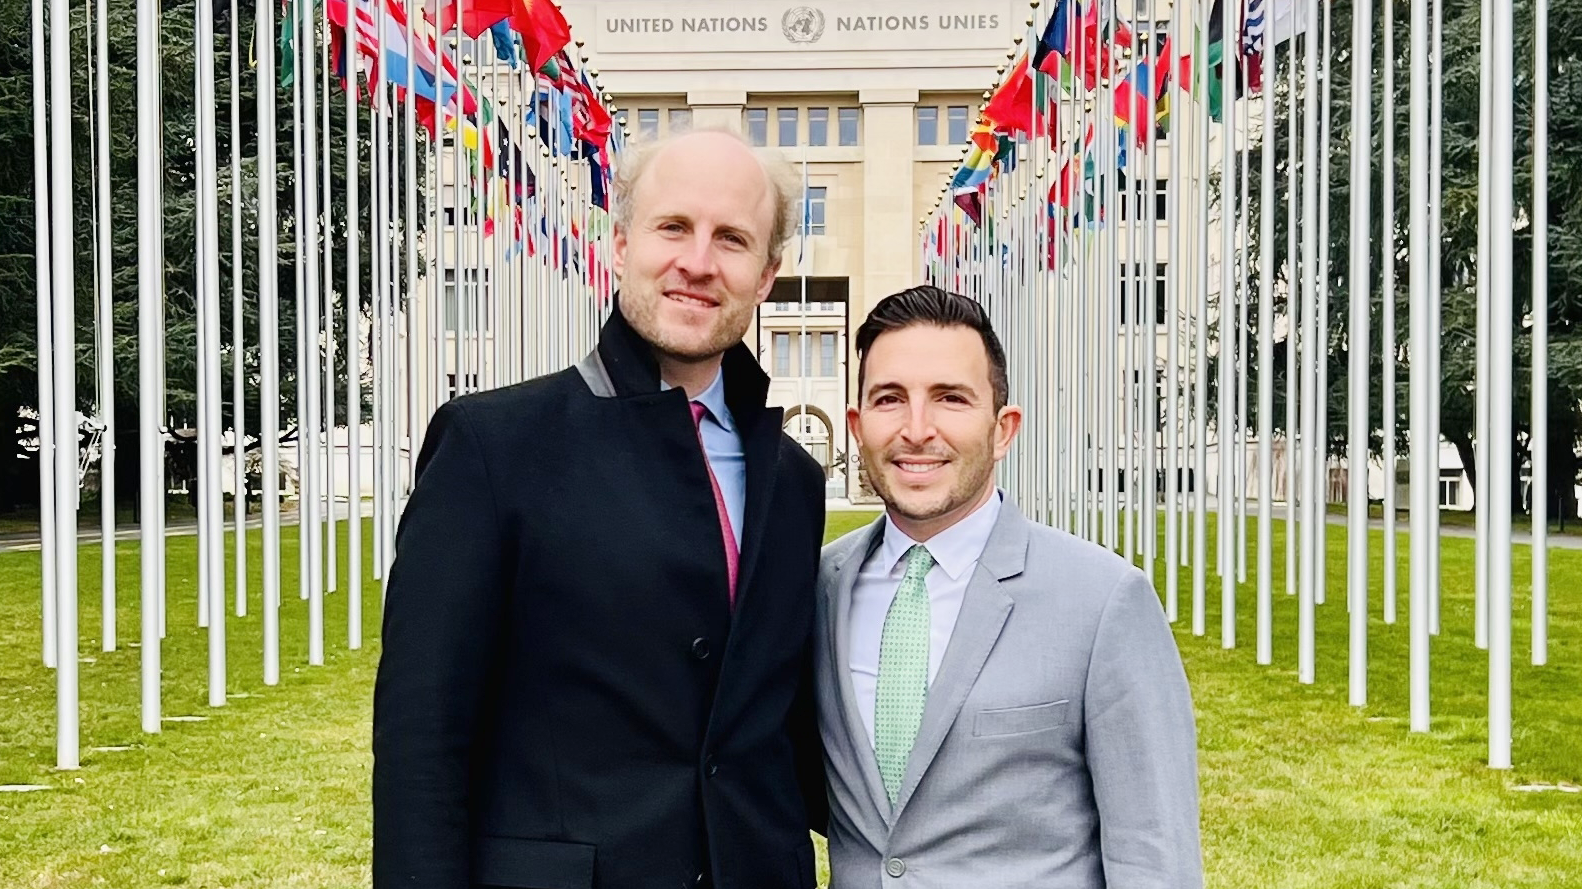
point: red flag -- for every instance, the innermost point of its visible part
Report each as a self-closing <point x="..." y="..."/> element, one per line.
<point x="1010" y="109"/>
<point x="476" y="16"/>
<point x="544" y="30"/>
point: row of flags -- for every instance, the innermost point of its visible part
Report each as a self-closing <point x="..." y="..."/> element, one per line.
<point x="1084" y="53"/>
<point x="565" y="113"/>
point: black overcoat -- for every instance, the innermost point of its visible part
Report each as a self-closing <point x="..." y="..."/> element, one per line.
<point x="565" y="698"/>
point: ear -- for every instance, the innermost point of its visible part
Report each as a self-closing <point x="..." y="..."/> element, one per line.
<point x="766" y="282"/>
<point x="854" y="425"/>
<point x="618" y="255"/>
<point x="1006" y="425"/>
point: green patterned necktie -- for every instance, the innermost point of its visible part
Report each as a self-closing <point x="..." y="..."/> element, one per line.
<point x="903" y="672"/>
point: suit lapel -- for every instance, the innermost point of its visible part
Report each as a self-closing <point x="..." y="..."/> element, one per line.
<point x="984" y="610"/>
<point x="839" y="627"/>
<point x="761" y="446"/>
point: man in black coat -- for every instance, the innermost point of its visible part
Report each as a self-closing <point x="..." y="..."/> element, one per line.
<point x="597" y="657"/>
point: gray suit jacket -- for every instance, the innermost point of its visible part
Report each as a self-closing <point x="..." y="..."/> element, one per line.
<point x="1058" y="747"/>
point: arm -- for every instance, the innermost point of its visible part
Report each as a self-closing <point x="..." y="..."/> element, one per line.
<point x="442" y="602"/>
<point x="804" y="710"/>
<point x="1142" y="745"/>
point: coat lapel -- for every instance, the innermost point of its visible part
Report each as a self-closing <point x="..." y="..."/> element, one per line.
<point x="984" y="610"/>
<point x="839" y="628"/>
<point x="761" y="445"/>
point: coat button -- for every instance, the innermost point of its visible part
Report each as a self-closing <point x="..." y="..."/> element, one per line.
<point x="895" y="867"/>
<point x="710" y="767"/>
<point x="700" y="648"/>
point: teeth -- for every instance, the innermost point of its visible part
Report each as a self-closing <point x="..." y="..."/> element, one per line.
<point x="687" y="300"/>
<point x="917" y="467"/>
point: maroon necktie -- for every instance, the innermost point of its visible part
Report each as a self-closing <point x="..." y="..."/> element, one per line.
<point x="731" y="554"/>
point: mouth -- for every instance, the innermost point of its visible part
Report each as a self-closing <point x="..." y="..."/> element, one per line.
<point x="694" y="300"/>
<point x="913" y="469"/>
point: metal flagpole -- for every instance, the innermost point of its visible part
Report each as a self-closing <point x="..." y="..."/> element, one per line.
<point x="269" y="342"/>
<point x="1388" y="347"/>
<point x="1243" y="233"/>
<point x="1201" y="126"/>
<point x="1482" y="436"/>
<point x="64" y="367"/>
<point x="1173" y="287"/>
<point x="211" y="535"/>
<point x="150" y="295"/>
<point x="1225" y="534"/>
<point x="1540" y="313"/>
<point x="327" y="284"/>
<point x="354" y="356"/>
<point x="1320" y="504"/>
<point x="1295" y="277"/>
<point x="308" y="381"/>
<point x="46" y="374"/>
<point x="1498" y="481"/>
<point x="1421" y="439"/>
<point x="238" y="337"/>
<point x="104" y="357"/>
<point x="1311" y="352"/>
<point x="1357" y="334"/>
<point x="1435" y="186"/>
<point x="1266" y="201"/>
<point x="300" y="312"/>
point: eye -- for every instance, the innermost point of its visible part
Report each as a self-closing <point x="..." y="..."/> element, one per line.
<point x="956" y="399"/>
<point x="737" y="240"/>
<point x="882" y="400"/>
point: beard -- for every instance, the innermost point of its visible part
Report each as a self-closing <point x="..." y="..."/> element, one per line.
<point x="974" y="469"/>
<point x="644" y="309"/>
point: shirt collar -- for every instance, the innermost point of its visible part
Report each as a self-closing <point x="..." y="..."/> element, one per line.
<point x="712" y="398"/>
<point x="954" y="549"/>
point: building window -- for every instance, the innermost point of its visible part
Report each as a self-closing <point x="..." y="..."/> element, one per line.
<point x="470" y="309"/>
<point x="927" y="125"/>
<point x="470" y="381"/>
<point x="648" y="123"/>
<point x="826" y="354"/>
<point x="816" y="196"/>
<point x="468" y="215"/>
<point x="956" y="124"/>
<point x="680" y="120"/>
<point x="1161" y="199"/>
<point x="1138" y="286"/>
<point x="818" y="126"/>
<point x="786" y="122"/>
<point x="758" y="126"/>
<point x="1449" y="487"/>
<point x="848" y="126"/>
<point x="782" y="354"/>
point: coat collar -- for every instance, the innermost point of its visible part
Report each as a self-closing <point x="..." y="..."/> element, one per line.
<point x="633" y="370"/>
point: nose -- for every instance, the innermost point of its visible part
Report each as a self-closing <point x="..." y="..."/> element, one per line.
<point x="696" y="256"/>
<point x="919" y="426"/>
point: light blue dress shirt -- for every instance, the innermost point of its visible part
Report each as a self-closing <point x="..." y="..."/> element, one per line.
<point x="723" y="446"/>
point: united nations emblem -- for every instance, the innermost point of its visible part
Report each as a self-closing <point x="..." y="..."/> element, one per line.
<point x="802" y="24"/>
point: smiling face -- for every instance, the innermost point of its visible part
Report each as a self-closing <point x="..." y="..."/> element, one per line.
<point x="694" y="258"/>
<point x="927" y="427"/>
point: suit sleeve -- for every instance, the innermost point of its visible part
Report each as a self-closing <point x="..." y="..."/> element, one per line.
<point x="1141" y="741"/>
<point x="442" y="598"/>
<point x="804" y="713"/>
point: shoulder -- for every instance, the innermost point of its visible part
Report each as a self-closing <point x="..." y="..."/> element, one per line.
<point x="509" y="406"/>
<point x="843" y="547"/>
<point x="800" y="465"/>
<point x="1091" y="575"/>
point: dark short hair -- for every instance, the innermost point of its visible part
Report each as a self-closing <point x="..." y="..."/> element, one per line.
<point x="940" y="308"/>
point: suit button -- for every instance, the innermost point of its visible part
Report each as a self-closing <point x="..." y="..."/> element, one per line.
<point x="700" y="648"/>
<point x="710" y="767"/>
<point x="895" y="867"/>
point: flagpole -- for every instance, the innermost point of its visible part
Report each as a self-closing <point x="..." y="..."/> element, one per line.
<point x="1173" y="287"/>
<point x="269" y="339"/>
<point x="1293" y="317"/>
<point x="1388" y="346"/>
<point x="1436" y="197"/>
<point x="211" y="535"/>
<point x="1498" y="481"/>
<point x="1311" y="350"/>
<point x="1357" y="335"/>
<point x="327" y="282"/>
<point x="1321" y="441"/>
<point x="150" y="293"/>
<point x="1421" y="438"/>
<point x="354" y="355"/>
<point x="308" y="372"/>
<point x="62" y="281"/>
<point x="1226" y="533"/>
<point x="1540" y="362"/>
<point x="1266" y="252"/>
<point x="42" y="217"/>
<point x="105" y="330"/>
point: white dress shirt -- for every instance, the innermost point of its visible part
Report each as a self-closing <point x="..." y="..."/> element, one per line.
<point x="955" y="551"/>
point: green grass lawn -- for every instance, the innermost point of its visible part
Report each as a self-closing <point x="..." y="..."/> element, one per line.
<point x="1299" y="789"/>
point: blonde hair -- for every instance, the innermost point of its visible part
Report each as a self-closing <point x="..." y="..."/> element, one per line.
<point x="639" y="156"/>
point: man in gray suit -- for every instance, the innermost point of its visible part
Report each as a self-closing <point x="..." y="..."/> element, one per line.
<point x="1002" y="704"/>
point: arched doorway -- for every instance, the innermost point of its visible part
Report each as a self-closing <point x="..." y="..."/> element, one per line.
<point x="812" y="429"/>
